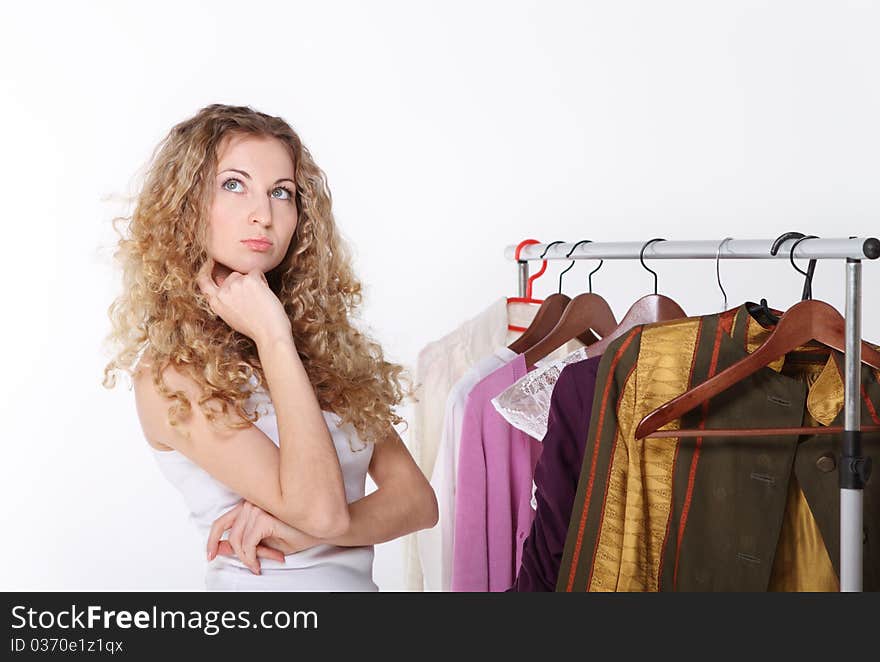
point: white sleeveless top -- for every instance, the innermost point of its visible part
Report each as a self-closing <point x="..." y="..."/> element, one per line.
<point x="320" y="568"/>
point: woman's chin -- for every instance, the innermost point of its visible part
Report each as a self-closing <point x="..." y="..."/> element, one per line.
<point x="243" y="266"/>
<point x="221" y="271"/>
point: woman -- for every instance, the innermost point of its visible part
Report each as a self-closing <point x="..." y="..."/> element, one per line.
<point x="237" y="285"/>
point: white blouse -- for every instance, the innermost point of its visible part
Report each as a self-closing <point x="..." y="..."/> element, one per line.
<point x="320" y="568"/>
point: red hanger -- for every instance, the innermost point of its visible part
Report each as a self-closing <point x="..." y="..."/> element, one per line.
<point x="528" y="297"/>
<point x="547" y="317"/>
<point x="805" y="321"/>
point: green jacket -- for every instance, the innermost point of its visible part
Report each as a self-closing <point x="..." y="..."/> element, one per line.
<point x="715" y="513"/>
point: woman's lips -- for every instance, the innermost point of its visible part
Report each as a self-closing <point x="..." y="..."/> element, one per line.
<point x="261" y="246"/>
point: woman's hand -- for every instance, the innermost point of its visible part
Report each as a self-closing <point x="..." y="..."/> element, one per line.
<point x="249" y="526"/>
<point x="245" y="302"/>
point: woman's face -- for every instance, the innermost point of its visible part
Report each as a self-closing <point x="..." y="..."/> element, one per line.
<point x="253" y="197"/>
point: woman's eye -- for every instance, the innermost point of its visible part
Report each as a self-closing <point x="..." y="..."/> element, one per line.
<point x="285" y="190"/>
<point x="230" y="181"/>
<point x="287" y="194"/>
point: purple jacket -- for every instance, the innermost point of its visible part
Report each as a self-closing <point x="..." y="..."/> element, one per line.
<point x="493" y="512"/>
<point x="557" y="475"/>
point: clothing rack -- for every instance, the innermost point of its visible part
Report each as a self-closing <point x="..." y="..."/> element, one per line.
<point x="854" y="469"/>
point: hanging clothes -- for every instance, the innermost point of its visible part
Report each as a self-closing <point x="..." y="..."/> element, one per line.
<point x="720" y="514"/>
<point x="435" y="544"/>
<point x="439" y="366"/>
<point x="556" y="475"/>
<point x="493" y="512"/>
<point x="494" y="485"/>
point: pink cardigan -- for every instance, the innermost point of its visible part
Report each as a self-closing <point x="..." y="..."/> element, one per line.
<point x="496" y="467"/>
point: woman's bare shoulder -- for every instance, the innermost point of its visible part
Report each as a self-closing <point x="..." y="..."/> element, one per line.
<point x="149" y="401"/>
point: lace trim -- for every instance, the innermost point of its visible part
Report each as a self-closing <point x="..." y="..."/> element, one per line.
<point x="526" y="404"/>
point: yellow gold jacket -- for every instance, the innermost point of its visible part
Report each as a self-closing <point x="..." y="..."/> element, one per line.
<point x="715" y="513"/>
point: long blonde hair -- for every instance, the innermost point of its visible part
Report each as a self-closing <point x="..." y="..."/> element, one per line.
<point x="162" y="309"/>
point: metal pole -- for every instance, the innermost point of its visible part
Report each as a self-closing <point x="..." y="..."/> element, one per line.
<point x="852" y="466"/>
<point x="856" y="248"/>
<point x="523" y="277"/>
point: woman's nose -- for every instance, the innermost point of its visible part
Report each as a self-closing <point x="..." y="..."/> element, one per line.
<point x="262" y="214"/>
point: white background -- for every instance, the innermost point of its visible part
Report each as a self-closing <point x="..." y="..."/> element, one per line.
<point x="448" y="130"/>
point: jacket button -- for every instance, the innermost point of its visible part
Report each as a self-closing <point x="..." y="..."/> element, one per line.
<point x="826" y="463"/>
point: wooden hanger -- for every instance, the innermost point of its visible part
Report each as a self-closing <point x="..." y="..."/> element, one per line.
<point x="805" y="321"/>
<point x="585" y="312"/>
<point x="649" y="309"/>
<point x="590" y="311"/>
<point x="546" y="319"/>
<point x="549" y="313"/>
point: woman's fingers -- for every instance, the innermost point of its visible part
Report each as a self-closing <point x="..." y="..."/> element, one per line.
<point x="266" y="552"/>
<point x="244" y="542"/>
<point x="248" y="526"/>
<point x="205" y="280"/>
<point x="235" y="536"/>
<point x="220" y="525"/>
<point x="254" y="531"/>
<point x="263" y="552"/>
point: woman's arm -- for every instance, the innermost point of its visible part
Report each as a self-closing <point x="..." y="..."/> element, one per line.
<point x="403" y="502"/>
<point x="311" y="478"/>
<point x="300" y="483"/>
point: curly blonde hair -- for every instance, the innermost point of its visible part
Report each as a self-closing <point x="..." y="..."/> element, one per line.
<point x="162" y="309"/>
